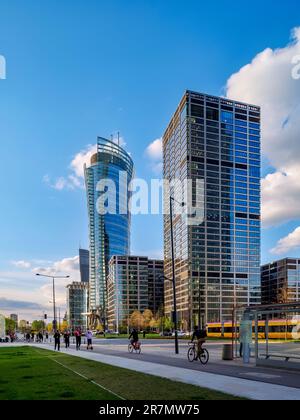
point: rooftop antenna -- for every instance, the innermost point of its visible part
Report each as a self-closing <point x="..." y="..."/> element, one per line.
<point x="119" y="138"/>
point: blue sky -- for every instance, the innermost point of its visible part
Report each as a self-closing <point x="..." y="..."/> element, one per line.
<point x="78" y="69"/>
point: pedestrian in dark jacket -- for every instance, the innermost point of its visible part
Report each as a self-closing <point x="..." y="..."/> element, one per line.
<point x="67" y="339"/>
<point x="57" y="340"/>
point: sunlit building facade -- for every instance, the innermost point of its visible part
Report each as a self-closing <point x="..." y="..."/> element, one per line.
<point x="217" y="262"/>
<point x="134" y="284"/>
<point x="109" y="233"/>
<point x="280" y="281"/>
<point x="77" y="305"/>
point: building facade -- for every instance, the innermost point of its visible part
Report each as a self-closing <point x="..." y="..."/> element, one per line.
<point x="156" y="286"/>
<point x="84" y="265"/>
<point x="110" y="172"/>
<point x="14" y="317"/>
<point x="134" y="284"/>
<point x="217" y="262"/>
<point x="77" y="305"/>
<point x="280" y="281"/>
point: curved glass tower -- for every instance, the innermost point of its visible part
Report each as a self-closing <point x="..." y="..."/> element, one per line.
<point x="112" y="168"/>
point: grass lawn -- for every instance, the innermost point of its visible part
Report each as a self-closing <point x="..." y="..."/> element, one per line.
<point x="33" y="374"/>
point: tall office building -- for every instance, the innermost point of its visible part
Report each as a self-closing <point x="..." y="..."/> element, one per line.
<point x="280" y="281"/>
<point x="77" y="305"/>
<point x="134" y="284"/>
<point x="84" y="265"/>
<point x="217" y="141"/>
<point x="156" y="286"/>
<point x="109" y="233"/>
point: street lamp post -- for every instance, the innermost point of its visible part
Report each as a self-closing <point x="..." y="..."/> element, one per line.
<point x="175" y="312"/>
<point x="173" y="280"/>
<point x="53" y="292"/>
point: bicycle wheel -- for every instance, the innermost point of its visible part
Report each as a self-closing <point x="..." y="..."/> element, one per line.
<point x="191" y="354"/>
<point x="204" y="358"/>
<point x="130" y="348"/>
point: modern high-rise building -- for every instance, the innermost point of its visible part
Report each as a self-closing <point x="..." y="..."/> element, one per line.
<point x="134" y="284"/>
<point x="109" y="173"/>
<point x="280" y="281"/>
<point x="217" y="261"/>
<point x="77" y="305"/>
<point x="84" y="265"/>
<point x="156" y="286"/>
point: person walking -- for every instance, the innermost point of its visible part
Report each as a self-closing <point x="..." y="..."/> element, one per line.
<point x="57" y="340"/>
<point x="77" y="334"/>
<point x="67" y="339"/>
<point x="89" y="337"/>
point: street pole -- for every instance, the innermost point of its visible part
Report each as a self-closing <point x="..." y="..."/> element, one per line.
<point x="174" y="278"/>
<point x="54" y="306"/>
<point x="53" y="291"/>
<point x="199" y="286"/>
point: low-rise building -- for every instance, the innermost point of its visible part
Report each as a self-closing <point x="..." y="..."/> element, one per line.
<point x="280" y="281"/>
<point x="134" y="284"/>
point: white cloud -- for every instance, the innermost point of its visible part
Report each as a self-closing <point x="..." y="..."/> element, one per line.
<point x="289" y="243"/>
<point x="281" y="196"/>
<point x="155" y="153"/>
<point x="82" y="158"/>
<point x="23" y="285"/>
<point x="66" y="266"/>
<point x="75" y="179"/>
<point x="267" y="81"/>
<point x="22" y="264"/>
<point x="154" y="150"/>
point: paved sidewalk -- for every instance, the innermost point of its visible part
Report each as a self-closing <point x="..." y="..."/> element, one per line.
<point x="235" y="386"/>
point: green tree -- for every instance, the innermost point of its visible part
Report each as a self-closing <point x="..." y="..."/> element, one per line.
<point x="10" y="325"/>
<point x="38" y="325"/>
<point x="23" y="326"/>
<point x="168" y="324"/>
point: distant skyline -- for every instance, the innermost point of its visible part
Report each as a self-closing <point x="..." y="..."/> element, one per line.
<point x="75" y="71"/>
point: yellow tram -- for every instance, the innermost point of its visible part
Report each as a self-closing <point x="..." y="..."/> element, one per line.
<point x="278" y="329"/>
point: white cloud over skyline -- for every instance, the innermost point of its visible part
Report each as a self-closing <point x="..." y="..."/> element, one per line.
<point x="30" y="301"/>
<point x="154" y="152"/>
<point x="255" y="83"/>
<point x="75" y="180"/>
<point x="290" y="243"/>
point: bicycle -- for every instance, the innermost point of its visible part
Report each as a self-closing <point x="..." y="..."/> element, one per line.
<point x="135" y="347"/>
<point x="193" y="354"/>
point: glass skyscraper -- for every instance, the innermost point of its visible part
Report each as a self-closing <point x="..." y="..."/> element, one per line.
<point x="217" y="262"/>
<point x="84" y="265"/>
<point x="109" y="233"/>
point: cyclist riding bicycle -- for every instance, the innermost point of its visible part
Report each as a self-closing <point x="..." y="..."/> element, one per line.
<point x="134" y="336"/>
<point x="200" y="335"/>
